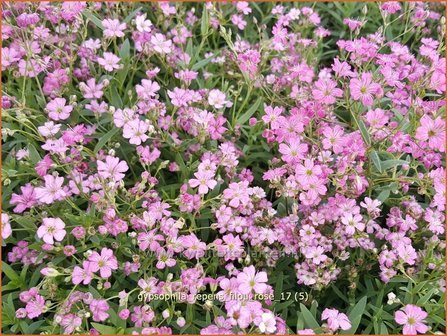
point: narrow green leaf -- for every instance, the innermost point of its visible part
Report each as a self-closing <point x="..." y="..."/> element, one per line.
<point x="247" y="115"/>
<point x="204" y="24"/>
<point x="355" y="316"/>
<point x="94" y="19"/>
<point x="376" y="160"/>
<point x="104" y="329"/>
<point x="309" y="319"/>
<point x="387" y="164"/>
<point x="104" y="139"/>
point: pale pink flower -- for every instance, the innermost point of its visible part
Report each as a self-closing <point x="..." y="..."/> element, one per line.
<point x="99" y="310"/>
<point x="104" y="263"/>
<point x="413" y="319"/>
<point x="109" y="61"/>
<point x="250" y="280"/>
<point x="160" y="44"/>
<point x="6" y="226"/>
<point x="57" y="110"/>
<point x="217" y="99"/>
<point x="52" y="190"/>
<point x="113" y="27"/>
<point x="49" y="129"/>
<point x="51" y="229"/>
<point x="293" y="152"/>
<point x="135" y="131"/>
<point x="82" y="274"/>
<point x="335" y="319"/>
<point x="204" y="180"/>
<point x="148" y="89"/>
<point x="432" y="131"/>
<point x="112" y="168"/>
<point x="352" y="223"/>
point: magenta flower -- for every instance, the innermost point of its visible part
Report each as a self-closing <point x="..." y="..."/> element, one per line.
<point x="104" y="263"/>
<point x="112" y="168"/>
<point x="35" y="307"/>
<point x="51" y="229"/>
<point x="250" y="280"/>
<point x="364" y="89"/>
<point x="413" y="319"/>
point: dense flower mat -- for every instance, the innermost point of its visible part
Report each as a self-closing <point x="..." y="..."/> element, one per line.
<point x="223" y="168"/>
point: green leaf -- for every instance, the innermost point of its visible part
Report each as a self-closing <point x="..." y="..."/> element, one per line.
<point x="132" y="15"/>
<point x="383" y="196"/>
<point x="104" y="329"/>
<point x="376" y="160"/>
<point x="104" y="139"/>
<point x="387" y="164"/>
<point x="10" y="273"/>
<point x="309" y="319"/>
<point x="94" y="19"/>
<point x="364" y="131"/>
<point x="247" y="115"/>
<point x="125" y="49"/>
<point x="199" y="65"/>
<point x="204" y="24"/>
<point x="355" y="316"/>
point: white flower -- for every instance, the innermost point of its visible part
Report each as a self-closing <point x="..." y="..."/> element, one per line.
<point x="142" y="24"/>
<point x="268" y="323"/>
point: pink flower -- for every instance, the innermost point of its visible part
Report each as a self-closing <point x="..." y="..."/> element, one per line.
<point x="293" y="152"/>
<point x="70" y="322"/>
<point x="6" y="226"/>
<point x="112" y="28"/>
<point x="217" y="99"/>
<point x="326" y="91"/>
<point x="205" y="181"/>
<point x="194" y="248"/>
<point x="433" y="131"/>
<point x="250" y="280"/>
<point x="164" y="259"/>
<point x="109" y="61"/>
<point x="49" y="129"/>
<point x="238" y="194"/>
<point x="336" y="320"/>
<point x="57" y="110"/>
<point x="160" y="44"/>
<point x="148" y="89"/>
<point x="99" y="310"/>
<point x="149" y="240"/>
<point x="412" y="318"/>
<point x="364" y="88"/>
<point x="104" y="263"/>
<point x="112" y="168"/>
<point x="52" y="191"/>
<point x="307" y="173"/>
<point x="91" y="90"/>
<point x="135" y="131"/>
<point x="51" y="229"/>
<point x="24" y="201"/>
<point x="82" y="274"/>
<point x="352" y="223"/>
<point x="35" y="307"/>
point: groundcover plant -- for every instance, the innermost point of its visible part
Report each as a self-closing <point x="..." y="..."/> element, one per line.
<point x="223" y="168"/>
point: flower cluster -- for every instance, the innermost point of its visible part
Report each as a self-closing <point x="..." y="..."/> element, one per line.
<point x="195" y="168"/>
